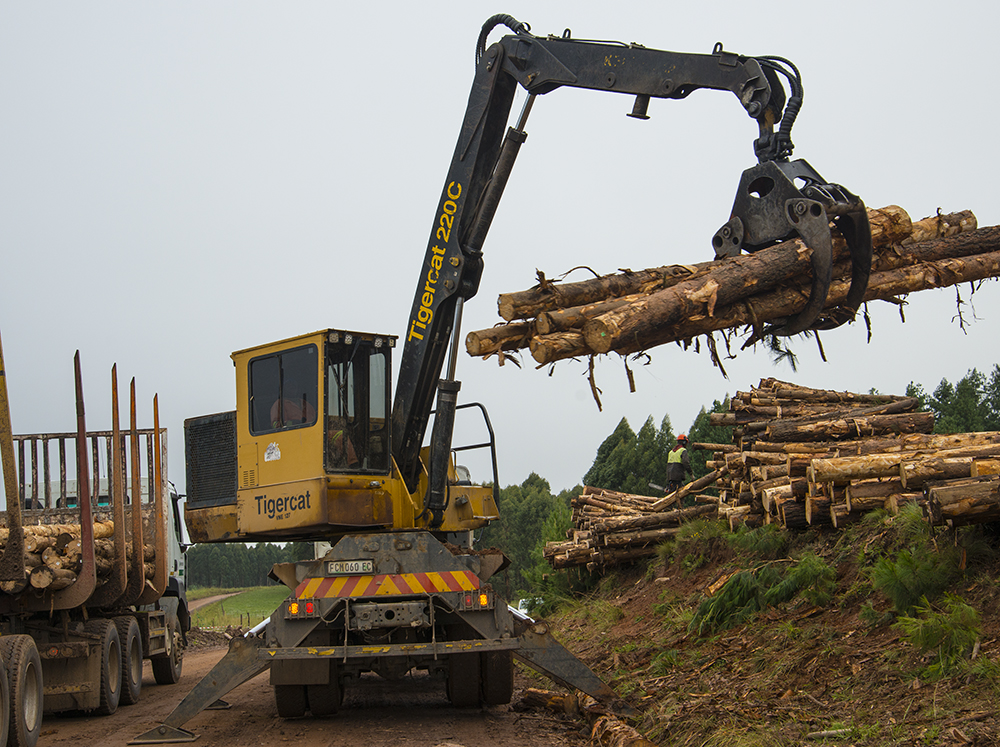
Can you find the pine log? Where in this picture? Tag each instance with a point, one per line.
(843, 470)
(632, 539)
(896, 500)
(792, 514)
(914, 475)
(984, 467)
(556, 702)
(573, 318)
(648, 521)
(785, 390)
(852, 427)
(101, 529)
(501, 337)
(790, 299)
(558, 346)
(41, 577)
(817, 511)
(868, 495)
(971, 503)
(726, 448)
(692, 487)
(731, 279)
(841, 516)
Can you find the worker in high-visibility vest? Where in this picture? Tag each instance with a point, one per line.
(678, 464)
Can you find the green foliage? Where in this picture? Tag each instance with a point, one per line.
(767, 542)
(748, 592)
(702, 431)
(740, 598)
(525, 513)
(971, 405)
(664, 661)
(914, 574)
(811, 577)
(553, 587)
(950, 633)
(237, 565)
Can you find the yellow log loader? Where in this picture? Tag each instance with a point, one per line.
(317, 448)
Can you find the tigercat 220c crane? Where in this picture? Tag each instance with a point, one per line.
(317, 449)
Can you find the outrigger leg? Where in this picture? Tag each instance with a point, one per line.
(241, 664)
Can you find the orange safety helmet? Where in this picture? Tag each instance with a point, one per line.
(682, 437)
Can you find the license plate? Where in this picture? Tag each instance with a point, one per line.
(349, 567)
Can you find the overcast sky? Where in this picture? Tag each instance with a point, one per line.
(181, 180)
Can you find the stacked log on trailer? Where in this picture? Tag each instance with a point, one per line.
(53, 555)
(633, 311)
(822, 458)
(611, 528)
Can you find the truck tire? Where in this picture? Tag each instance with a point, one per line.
(291, 700)
(167, 667)
(325, 700)
(24, 685)
(111, 664)
(498, 677)
(131, 641)
(463, 680)
(5, 707)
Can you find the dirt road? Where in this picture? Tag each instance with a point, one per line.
(375, 714)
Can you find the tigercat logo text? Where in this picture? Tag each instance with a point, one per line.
(283, 507)
(446, 221)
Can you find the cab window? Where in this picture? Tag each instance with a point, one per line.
(283, 390)
(357, 408)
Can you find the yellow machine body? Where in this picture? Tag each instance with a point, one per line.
(311, 450)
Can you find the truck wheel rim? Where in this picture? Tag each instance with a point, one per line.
(31, 711)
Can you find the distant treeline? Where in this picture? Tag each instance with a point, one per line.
(236, 565)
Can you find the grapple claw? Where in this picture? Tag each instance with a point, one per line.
(770, 207)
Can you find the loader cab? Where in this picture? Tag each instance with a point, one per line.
(314, 405)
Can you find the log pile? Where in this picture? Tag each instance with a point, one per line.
(610, 528)
(821, 458)
(802, 458)
(629, 312)
(53, 555)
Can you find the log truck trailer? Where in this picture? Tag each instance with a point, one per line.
(312, 453)
(74, 639)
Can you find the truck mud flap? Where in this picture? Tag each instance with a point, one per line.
(543, 653)
(242, 663)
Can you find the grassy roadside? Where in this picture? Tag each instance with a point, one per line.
(246, 608)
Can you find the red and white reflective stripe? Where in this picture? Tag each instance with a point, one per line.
(386, 584)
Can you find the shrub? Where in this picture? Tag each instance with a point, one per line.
(949, 633)
(913, 575)
(768, 542)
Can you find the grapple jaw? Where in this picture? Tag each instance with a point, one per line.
(770, 207)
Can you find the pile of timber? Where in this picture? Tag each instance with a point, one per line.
(53, 555)
(610, 528)
(821, 458)
(629, 312)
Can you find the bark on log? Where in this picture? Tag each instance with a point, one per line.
(668, 518)
(790, 299)
(559, 346)
(573, 318)
(692, 487)
(852, 427)
(818, 511)
(841, 516)
(914, 475)
(842, 470)
(640, 323)
(501, 337)
(631, 539)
